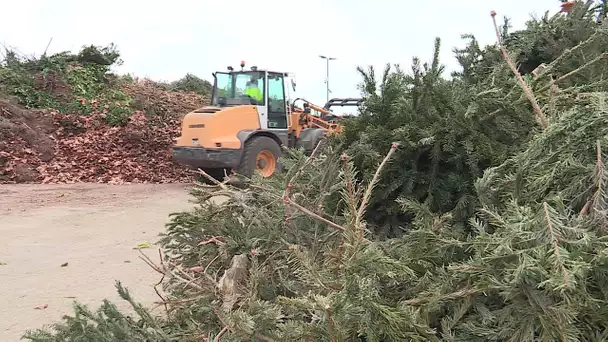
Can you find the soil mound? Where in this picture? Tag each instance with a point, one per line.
(25, 141)
(70, 119)
(51, 147)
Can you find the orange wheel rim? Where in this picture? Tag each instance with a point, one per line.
(266, 164)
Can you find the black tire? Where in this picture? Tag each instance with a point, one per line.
(252, 148)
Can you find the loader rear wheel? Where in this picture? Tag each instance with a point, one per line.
(261, 155)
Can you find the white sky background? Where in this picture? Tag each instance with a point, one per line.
(164, 40)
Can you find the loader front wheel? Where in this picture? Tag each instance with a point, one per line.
(261, 155)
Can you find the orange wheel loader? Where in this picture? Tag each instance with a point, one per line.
(250, 117)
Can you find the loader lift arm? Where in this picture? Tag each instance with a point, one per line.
(345, 102)
(326, 109)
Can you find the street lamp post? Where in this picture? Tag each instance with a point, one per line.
(327, 72)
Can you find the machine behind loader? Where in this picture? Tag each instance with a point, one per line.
(250, 117)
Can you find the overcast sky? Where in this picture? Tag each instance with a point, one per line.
(164, 40)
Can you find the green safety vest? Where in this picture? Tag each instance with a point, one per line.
(256, 93)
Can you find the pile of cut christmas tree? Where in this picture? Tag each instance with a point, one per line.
(468, 209)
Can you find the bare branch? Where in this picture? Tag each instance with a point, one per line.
(313, 215)
(540, 116)
(213, 180)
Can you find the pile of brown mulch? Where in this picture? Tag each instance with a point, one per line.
(137, 153)
(50, 147)
(155, 101)
(26, 141)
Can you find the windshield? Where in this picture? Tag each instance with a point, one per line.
(238, 88)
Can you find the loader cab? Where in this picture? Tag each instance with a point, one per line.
(261, 88)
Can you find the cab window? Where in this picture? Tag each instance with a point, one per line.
(277, 111)
(232, 88)
(276, 93)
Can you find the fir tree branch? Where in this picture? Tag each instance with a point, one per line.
(149, 262)
(600, 170)
(554, 240)
(292, 180)
(214, 239)
(228, 328)
(164, 270)
(164, 300)
(290, 202)
(551, 66)
(540, 116)
(221, 333)
(221, 319)
(305, 263)
(308, 161)
(372, 184)
(331, 324)
(585, 208)
(598, 200)
(350, 187)
(450, 296)
(575, 71)
(210, 263)
(287, 201)
(570, 52)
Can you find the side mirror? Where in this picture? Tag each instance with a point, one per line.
(293, 84)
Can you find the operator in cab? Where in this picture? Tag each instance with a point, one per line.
(254, 92)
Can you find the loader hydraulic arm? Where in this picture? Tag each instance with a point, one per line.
(308, 106)
(308, 120)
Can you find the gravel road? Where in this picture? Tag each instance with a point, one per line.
(91, 228)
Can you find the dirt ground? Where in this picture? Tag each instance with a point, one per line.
(92, 228)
